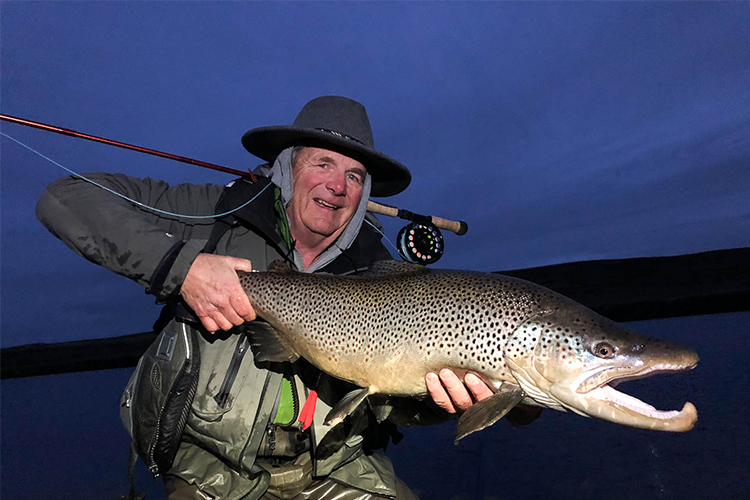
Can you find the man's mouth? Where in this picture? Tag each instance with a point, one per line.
(325, 204)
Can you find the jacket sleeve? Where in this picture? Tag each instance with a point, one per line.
(152, 249)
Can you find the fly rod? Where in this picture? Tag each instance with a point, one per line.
(140, 149)
(458, 227)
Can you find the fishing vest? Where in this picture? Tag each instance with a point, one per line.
(199, 408)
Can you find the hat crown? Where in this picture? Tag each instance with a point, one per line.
(339, 116)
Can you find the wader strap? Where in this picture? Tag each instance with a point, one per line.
(131, 487)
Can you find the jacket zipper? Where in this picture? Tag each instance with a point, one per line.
(295, 396)
(152, 466)
(272, 426)
(234, 366)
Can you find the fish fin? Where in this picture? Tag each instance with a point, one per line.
(268, 344)
(381, 408)
(488, 411)
(523, 414)
(279, 266)
(386, 267)
(346, 406)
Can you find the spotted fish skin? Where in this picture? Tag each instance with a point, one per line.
(386, 331)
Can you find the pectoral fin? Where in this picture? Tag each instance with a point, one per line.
(268, 344)
(488, 411)
(346, 406)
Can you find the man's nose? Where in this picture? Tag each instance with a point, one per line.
(337, 184)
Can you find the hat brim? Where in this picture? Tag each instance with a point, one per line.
(389, 177)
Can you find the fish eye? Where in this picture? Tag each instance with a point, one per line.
(603, 350)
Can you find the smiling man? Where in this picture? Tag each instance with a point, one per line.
(327, 190)
(252, 431)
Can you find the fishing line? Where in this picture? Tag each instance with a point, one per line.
(381, 233)
(135, 202)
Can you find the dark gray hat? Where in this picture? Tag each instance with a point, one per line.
(339, 124)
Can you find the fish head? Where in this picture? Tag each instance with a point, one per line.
(571, 358)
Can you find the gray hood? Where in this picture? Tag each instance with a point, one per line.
(281, 175)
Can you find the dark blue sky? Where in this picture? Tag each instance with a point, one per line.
(558, 131)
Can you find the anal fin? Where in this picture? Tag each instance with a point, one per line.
(268, 344)
(381, 407)
(346, 406)
(488, 411)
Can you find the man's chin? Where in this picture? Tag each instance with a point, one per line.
(324, 230)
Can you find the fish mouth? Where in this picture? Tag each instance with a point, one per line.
(598, 398)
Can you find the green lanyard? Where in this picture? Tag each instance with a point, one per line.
(282, 223)
(287, 411)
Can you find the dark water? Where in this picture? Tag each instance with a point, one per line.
(61, 437)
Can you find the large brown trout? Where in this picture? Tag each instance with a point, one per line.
(385, 330)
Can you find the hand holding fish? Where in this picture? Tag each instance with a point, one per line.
(212, 289)
(450, 393)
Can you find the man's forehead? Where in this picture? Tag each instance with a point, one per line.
(319, 154)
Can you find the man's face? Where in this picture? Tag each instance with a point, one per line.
(326, 193)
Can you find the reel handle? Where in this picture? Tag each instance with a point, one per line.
(459, 227)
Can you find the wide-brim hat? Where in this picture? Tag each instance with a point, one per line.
(339, 124)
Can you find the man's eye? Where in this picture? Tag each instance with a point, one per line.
(355, 178)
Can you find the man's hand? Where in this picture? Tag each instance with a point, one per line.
(450, 394)
(212, 289)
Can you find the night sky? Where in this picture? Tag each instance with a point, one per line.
(558, 131)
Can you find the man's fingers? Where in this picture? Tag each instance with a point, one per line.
(438, 394)
(241, 305)
(209, 324)
(222, 321)
(231, 316)
(478, 388)
(456, 389)
(212, 289)
(241, 264)
(451, 394)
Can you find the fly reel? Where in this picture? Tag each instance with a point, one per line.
(420, 243)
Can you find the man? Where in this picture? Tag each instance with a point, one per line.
(244, 437)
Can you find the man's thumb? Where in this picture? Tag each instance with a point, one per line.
(242, 265)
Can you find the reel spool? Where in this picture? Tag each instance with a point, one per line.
(420, 243)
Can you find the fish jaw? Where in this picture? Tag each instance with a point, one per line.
(614, 406)
(572, 359)
(607, 403)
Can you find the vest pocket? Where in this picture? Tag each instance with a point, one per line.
(234, 366)
(221, 377)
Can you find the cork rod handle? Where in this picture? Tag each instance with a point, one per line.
(458, 227)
